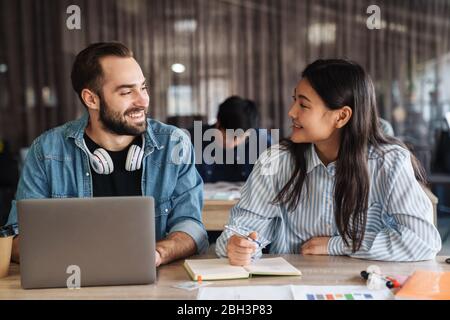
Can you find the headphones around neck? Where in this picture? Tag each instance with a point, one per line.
(102, 163)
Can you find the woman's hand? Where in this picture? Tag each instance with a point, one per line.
(240, 250)
(316, 246)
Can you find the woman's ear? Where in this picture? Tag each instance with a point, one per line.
(90, 99)
(343, 116)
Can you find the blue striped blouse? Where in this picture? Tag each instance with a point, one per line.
(399, 223)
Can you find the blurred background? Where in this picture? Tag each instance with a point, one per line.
(196, 53)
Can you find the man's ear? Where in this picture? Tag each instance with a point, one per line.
(343, 116)
(91, 99)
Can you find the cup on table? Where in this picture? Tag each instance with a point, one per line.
(6, 240)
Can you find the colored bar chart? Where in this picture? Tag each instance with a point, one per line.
(340, 296)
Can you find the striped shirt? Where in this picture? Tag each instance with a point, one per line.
(399, 223)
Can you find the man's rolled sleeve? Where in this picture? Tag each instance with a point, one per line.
(195, 231)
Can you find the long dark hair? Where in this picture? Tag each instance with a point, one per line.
(344, 83)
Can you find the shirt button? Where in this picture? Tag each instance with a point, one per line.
(166, 210)
(87, 174)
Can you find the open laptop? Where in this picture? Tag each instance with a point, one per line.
(103, 241)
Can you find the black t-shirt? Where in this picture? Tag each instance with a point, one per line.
(120, 182)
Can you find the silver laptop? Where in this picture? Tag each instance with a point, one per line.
(86, 241)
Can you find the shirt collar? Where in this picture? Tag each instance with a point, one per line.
(314, 161)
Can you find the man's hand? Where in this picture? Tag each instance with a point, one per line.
(317, 245)
(157, 258)
(175, 246)
(240, 250)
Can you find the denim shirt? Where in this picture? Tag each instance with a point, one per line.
(57, 166)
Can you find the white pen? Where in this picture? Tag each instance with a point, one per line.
(243, 235)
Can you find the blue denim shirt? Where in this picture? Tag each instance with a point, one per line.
(57, 166)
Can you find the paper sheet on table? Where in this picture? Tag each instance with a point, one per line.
(246, 293)
(222, 190)
(293, 292)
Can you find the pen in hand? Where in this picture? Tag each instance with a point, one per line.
(237, 232)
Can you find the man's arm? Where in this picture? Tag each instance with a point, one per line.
(186, 232)
(32, 184)
(177, 245)
(15, 257)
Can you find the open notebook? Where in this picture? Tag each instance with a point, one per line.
(220, 269)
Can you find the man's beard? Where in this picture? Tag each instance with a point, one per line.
(115, 122)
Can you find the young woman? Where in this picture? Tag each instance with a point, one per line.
(339, 186)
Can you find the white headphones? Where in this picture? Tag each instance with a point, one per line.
(102, 163)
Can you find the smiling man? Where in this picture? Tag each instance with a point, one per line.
(115, 150)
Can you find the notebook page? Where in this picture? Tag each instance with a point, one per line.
(272, 266)
(215, 269)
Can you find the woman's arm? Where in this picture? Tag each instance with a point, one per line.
(401, 228)
(254, 211)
